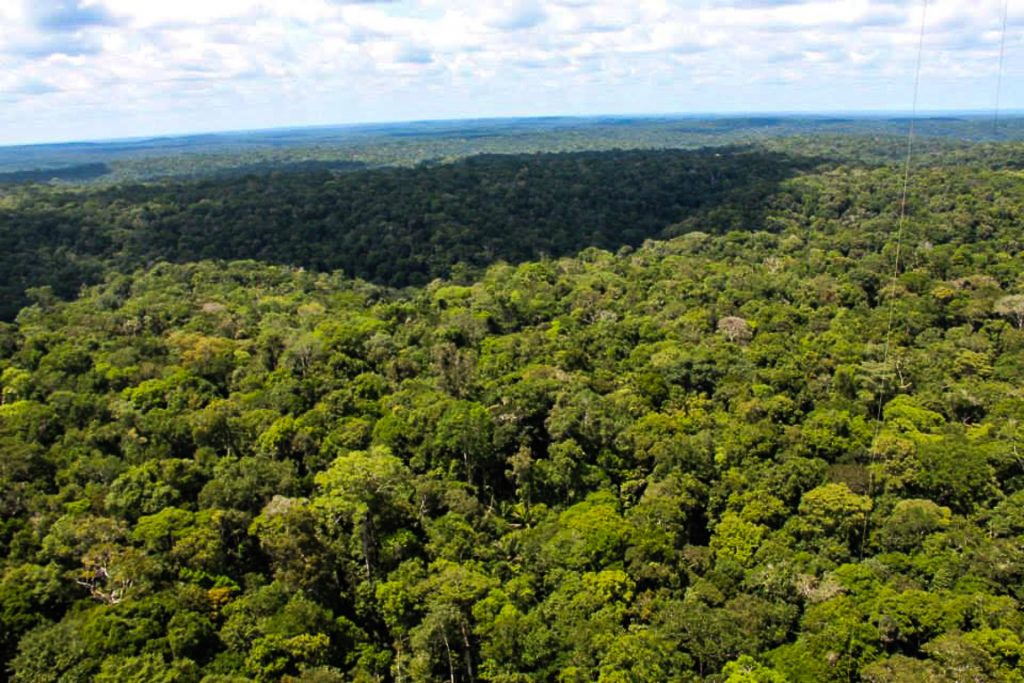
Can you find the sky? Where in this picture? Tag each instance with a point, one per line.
(102, 69)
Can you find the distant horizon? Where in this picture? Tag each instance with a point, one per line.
(698, 115)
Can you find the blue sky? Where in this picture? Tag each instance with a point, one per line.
(87, 69)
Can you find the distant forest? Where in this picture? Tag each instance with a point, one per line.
(405, 226)
(877, 137)
(395, 226)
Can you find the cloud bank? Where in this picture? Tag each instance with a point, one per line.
(75, 69)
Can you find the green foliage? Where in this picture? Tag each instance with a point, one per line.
(394, 226)
(562, 470)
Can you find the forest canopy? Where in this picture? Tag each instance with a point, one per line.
(650, 430)
(393, 226)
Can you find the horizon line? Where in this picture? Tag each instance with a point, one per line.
(710, 114)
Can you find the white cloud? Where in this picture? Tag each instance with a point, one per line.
(516, 15)
(105, 67)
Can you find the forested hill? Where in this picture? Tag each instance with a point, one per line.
(658, 464)
(391, 226)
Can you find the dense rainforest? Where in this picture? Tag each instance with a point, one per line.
(399, 226)
(411, 143)
(652, 428)
(394, 226)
